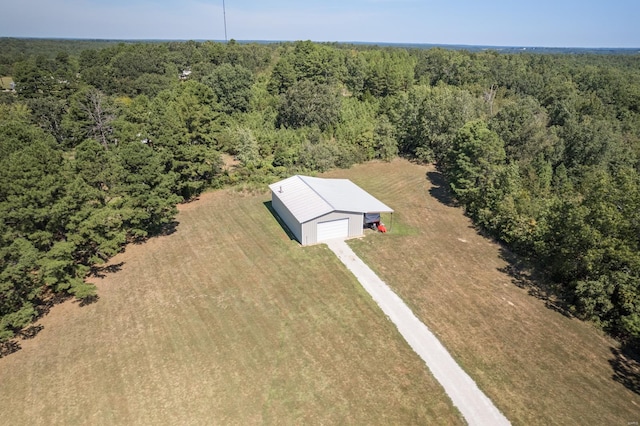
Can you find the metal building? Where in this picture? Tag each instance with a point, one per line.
(316, 209)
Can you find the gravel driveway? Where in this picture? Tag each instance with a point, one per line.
(474, 405)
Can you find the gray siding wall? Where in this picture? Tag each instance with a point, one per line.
(309, 229)
(285, 215)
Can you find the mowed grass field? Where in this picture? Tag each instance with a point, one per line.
(537, 365)
(228, 321)
(225, 321)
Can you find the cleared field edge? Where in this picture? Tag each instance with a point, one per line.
(538, 366)
(218, 321)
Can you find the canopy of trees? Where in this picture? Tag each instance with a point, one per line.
(100, 141)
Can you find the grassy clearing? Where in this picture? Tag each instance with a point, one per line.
(5, 82)
(229, 321)
(538, 366)
(226, 321)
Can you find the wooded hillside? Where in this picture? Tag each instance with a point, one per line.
(100, 143)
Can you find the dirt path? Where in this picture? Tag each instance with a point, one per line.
(474, 405)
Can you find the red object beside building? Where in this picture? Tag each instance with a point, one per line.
(382, 228)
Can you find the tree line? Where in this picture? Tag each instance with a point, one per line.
(100, 142)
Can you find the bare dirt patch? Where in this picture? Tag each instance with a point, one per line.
(229, 162)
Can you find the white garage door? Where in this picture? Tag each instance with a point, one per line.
(333, 229)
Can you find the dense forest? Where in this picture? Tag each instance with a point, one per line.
(100, 141)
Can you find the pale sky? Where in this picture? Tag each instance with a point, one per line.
(544, 23)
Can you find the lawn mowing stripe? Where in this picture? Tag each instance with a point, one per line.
(474, 405)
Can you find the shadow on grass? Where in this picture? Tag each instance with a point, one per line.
(31, 331)
(9, 347)
(159, 231)
(626, 367)
(168, 229)
(89, 300)
(440, 189)
(100, 271)
(13, 345)
(284, 227)
(626, 359)
(46, 301)
(525, 276)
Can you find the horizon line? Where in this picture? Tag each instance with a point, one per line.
(387, 43)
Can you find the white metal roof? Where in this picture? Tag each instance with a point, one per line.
(309, 197)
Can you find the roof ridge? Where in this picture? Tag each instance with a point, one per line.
(314, 190)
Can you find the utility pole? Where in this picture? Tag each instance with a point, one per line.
(224, 15)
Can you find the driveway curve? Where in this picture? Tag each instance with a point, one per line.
(475, 406)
